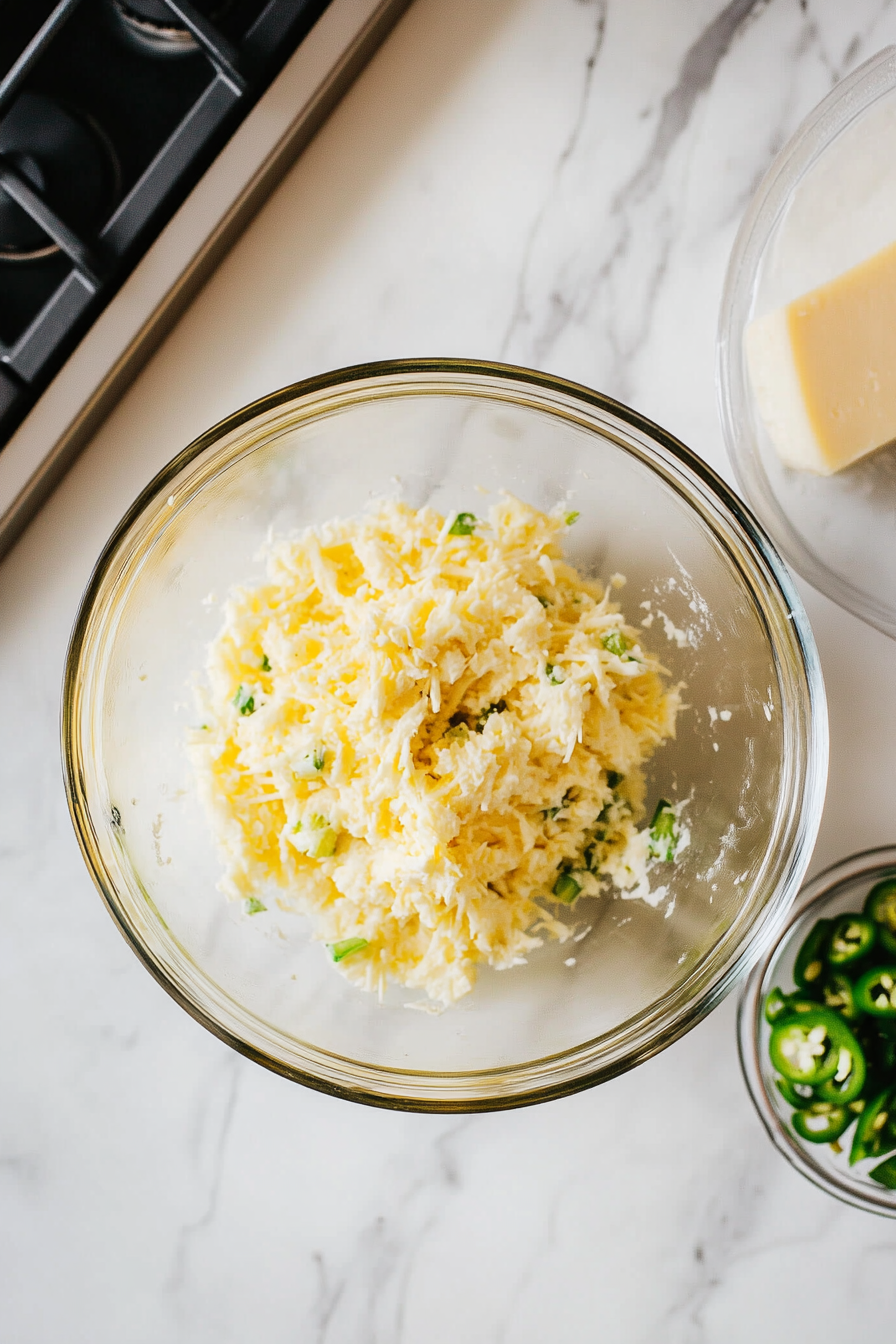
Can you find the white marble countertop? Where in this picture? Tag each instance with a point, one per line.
(558, 183)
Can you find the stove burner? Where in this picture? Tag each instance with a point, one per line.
(155, 27)
(66, 160)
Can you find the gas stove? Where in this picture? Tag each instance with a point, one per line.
(137, 139)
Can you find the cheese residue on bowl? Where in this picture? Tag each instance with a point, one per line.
(427, 735)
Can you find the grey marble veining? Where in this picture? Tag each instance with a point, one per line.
(556, 182)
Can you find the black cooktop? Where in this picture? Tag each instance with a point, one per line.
(110, 112)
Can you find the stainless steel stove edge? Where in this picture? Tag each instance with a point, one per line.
(185, 254)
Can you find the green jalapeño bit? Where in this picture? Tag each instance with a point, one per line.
(616, 642)
(347, 948)
(483, 717)
(571, 517)
(566, 888)
(851, 937)
(244, 700)
(809, 966)
(463, 525)
(265, 663)
(663, 840)
(254, 906)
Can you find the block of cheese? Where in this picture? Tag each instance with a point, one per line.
(823, 368)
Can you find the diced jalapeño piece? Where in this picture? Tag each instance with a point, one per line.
(566, 888)
(663, 832)
(310, 765)
(463, 525)
(615, 642)
(347, 948)
(244, 700)
(484, 715)
(317, 839)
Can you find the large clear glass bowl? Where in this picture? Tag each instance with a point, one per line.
(827, 202)
(839, 890)
(751, 749)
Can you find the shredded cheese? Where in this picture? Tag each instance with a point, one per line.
(427, 734)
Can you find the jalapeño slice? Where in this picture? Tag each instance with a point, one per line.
(851, 938)
(805, 1047)
(822, 1122)
(837, 992)
(849, 1078)
(876, 992)
(880, 903)
(885, 1173)
(776, 1005)
(797, 1095)
(809, 966)
(874, 1134)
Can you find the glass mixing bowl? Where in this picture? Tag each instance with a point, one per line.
(751, 749)
(827, 202)
(839, 890)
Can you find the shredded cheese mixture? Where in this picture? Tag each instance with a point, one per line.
(427, 734)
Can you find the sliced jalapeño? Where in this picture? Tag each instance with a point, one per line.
(874, 1134)
(876, 992)
(810, 960)
(851, 938)
(822, 1122)
(805, 1047)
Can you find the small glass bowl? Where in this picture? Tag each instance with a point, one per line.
(840, 889)
(750, 752)
(827, 202)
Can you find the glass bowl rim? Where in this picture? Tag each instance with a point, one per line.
(867, 863)
(848, 101)
(681, 461)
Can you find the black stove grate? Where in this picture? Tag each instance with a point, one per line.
(110, 112)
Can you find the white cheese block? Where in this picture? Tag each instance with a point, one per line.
(823, 368)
